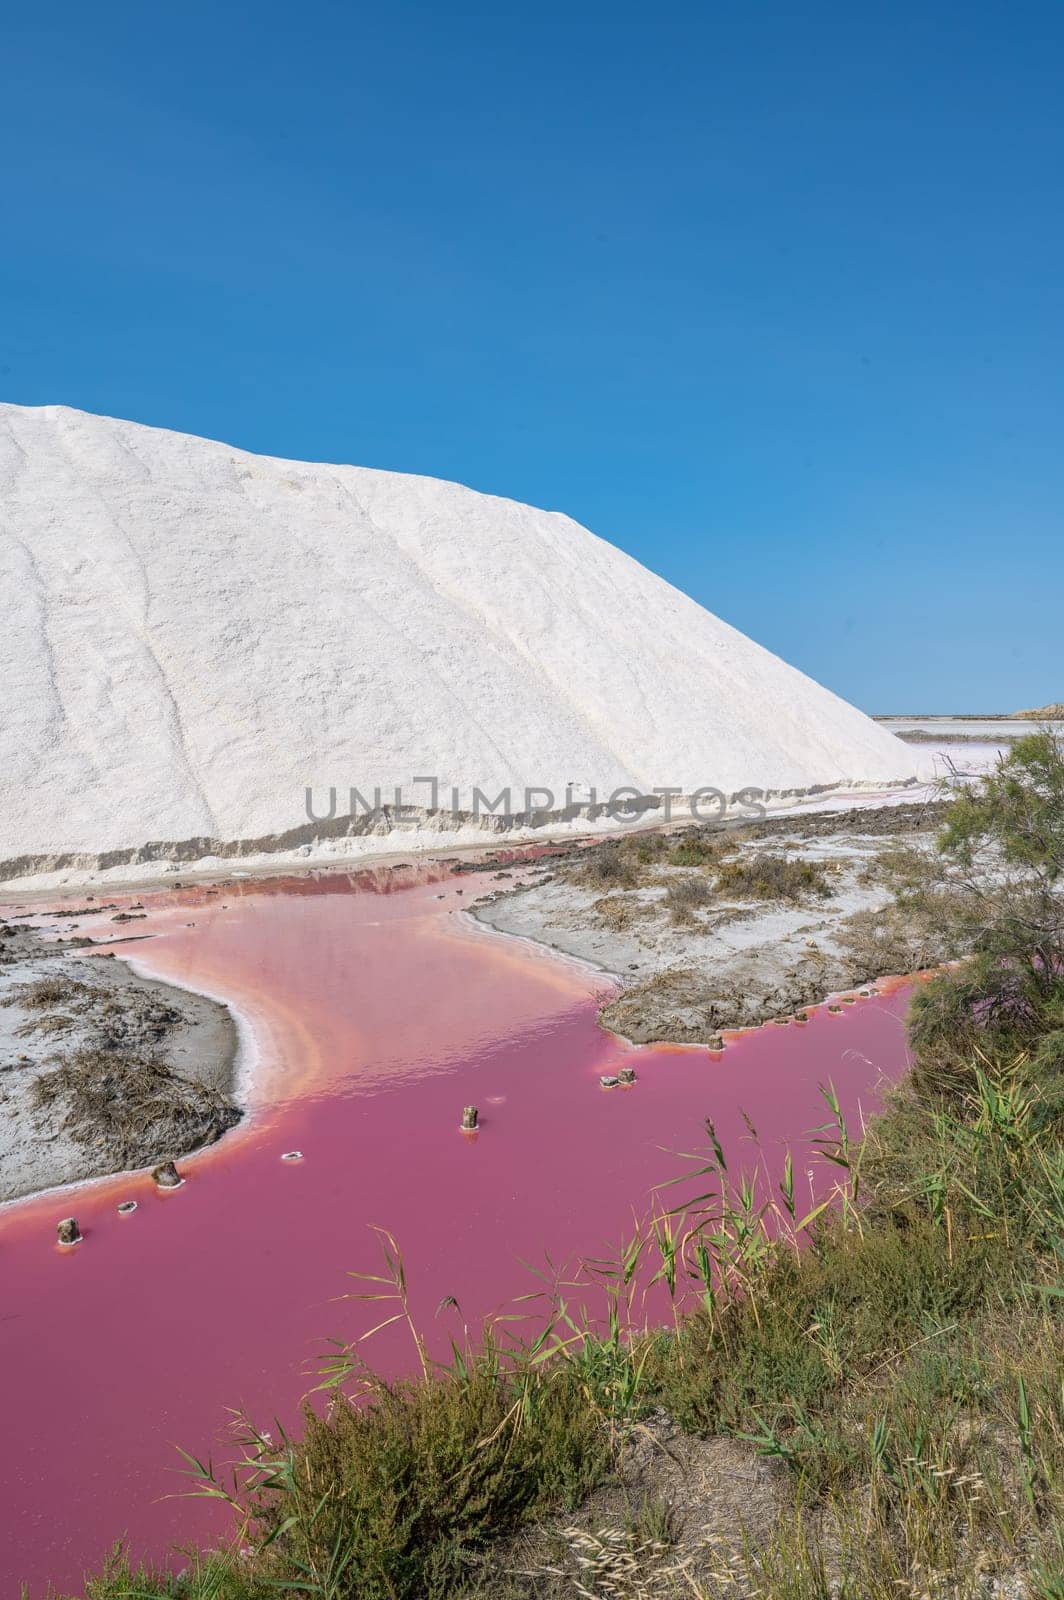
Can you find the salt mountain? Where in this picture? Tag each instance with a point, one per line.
(192, 635)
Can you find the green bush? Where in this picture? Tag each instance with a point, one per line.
(696, 850)
(411, 1486)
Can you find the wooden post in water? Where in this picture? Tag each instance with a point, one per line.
(469, 1119)
(68, 1231)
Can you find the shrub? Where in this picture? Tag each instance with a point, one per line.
(647, 848)
(772, 877)
(994, 888)
(608, 866)
(684, 895)
(696, 850)
(425, 1474)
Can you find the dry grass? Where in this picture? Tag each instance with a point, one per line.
(45, 994)
(608, 866)
(684, 896)
(639, 860)
(892, 940)
(699, 849)
(132, 1107)
(773, 877)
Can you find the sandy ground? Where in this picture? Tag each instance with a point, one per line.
(732, 964)
(102, 1071)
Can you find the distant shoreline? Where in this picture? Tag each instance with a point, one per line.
(963, 716)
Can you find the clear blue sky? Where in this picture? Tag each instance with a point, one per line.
(770, 295)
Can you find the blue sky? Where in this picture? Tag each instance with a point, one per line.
(770, 295)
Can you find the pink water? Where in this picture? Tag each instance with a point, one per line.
(376, 1012)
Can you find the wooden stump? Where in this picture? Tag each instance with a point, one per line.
(469, 1119)
(68, 1231)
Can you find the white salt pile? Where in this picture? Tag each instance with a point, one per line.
(191, 636)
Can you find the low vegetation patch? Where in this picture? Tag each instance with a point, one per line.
(136, 1018)
(637, 860)
(697, 850)
(46, 994)
(684, 896)
(133, 1107)
(895, 940)
(773, 877)
(609, 866)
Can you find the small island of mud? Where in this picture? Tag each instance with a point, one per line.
(101, 1070)
(718, 928)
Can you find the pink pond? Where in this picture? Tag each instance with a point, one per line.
(372, 1011)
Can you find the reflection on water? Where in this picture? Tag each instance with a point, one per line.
(377, 1011)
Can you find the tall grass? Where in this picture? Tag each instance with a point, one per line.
(896, 1347)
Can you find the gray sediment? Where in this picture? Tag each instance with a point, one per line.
(728, 963)
(102, 1070)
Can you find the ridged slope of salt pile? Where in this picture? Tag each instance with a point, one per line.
(192, 635)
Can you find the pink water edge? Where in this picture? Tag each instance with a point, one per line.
(371, 1012)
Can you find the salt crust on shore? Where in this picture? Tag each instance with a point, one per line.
(193, 635)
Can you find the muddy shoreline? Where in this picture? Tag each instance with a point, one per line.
(102, 1070)
(108, 1071)
(691, 972)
